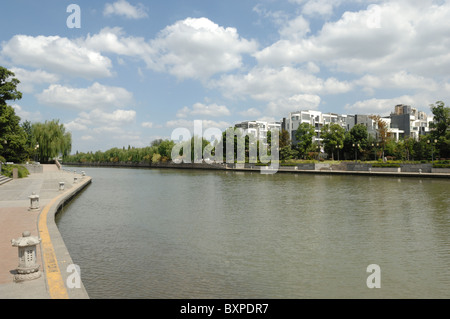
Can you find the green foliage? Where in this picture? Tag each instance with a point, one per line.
(8, 86)
(304, 136)
(333, 136)
(7, 170)
(12, 136)
(52, 140)
(147, 154)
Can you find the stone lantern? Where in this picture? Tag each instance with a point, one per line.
(61, 186)
(28, 269)
(34, 201)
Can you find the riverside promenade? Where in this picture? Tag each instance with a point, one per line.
(52, 255)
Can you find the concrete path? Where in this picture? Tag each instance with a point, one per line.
(16, 217)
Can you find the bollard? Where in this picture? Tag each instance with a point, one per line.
(75, 180)
(61, 186)
(28, 269)
(34, 201)
(420, 171)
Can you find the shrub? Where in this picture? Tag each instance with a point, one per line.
(7, 170)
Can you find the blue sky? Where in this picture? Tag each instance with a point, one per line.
(136, 70)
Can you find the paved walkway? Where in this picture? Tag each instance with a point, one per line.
(16, 217)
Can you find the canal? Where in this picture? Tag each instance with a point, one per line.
(151, 233)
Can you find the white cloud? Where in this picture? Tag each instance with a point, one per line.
(398, 80)
(409, 35)
(199, 48)
(56, 54)
(100, 121)
(87, 138)
(95, 96)
(29, 79)
(26, 115)
(147, 124)
(420, 101)
(251, 113)
(182, 123)
(298, 102)
(75, 125)
(114, 40)
(205, 110)
(124, 8)
(269, 84)
(113, 119)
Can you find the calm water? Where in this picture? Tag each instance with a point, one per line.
(140, 233)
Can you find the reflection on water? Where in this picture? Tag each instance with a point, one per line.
(140, 233)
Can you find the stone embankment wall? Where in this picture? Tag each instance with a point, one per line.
(343, 167)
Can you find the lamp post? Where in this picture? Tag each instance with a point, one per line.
(356, 154)
(36, 154)
(432, 149)
(375, 150)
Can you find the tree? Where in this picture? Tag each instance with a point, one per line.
(440, 128)
(382, 131)
(304, 136)
(333, 137)
(441, 121)
(12, 135)
(286, 151)
(52, 138)
(8, 86)
(165, 149)
(356, 140)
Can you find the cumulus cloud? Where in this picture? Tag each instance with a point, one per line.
(251, 113)
(384, 106)
(183, 123)
(199, 48)
(115, 118)
(147, 124)
(283, 106)
(29, 79)
(269, 84)
(56, 54)
(114, 40)
(213, 110)
(391, 36)
(95, 96)
(26, 115)
(125, 9)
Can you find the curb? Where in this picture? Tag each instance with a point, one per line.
(54, 253)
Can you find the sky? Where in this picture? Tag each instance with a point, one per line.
(124, 72)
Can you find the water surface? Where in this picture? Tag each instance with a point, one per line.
(142, 233)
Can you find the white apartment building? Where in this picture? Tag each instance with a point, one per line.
(318, 120)
(258, 129)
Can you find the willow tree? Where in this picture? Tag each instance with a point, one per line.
(51, 140)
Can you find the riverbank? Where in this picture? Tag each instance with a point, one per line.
(343, 168)
(52, 254)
